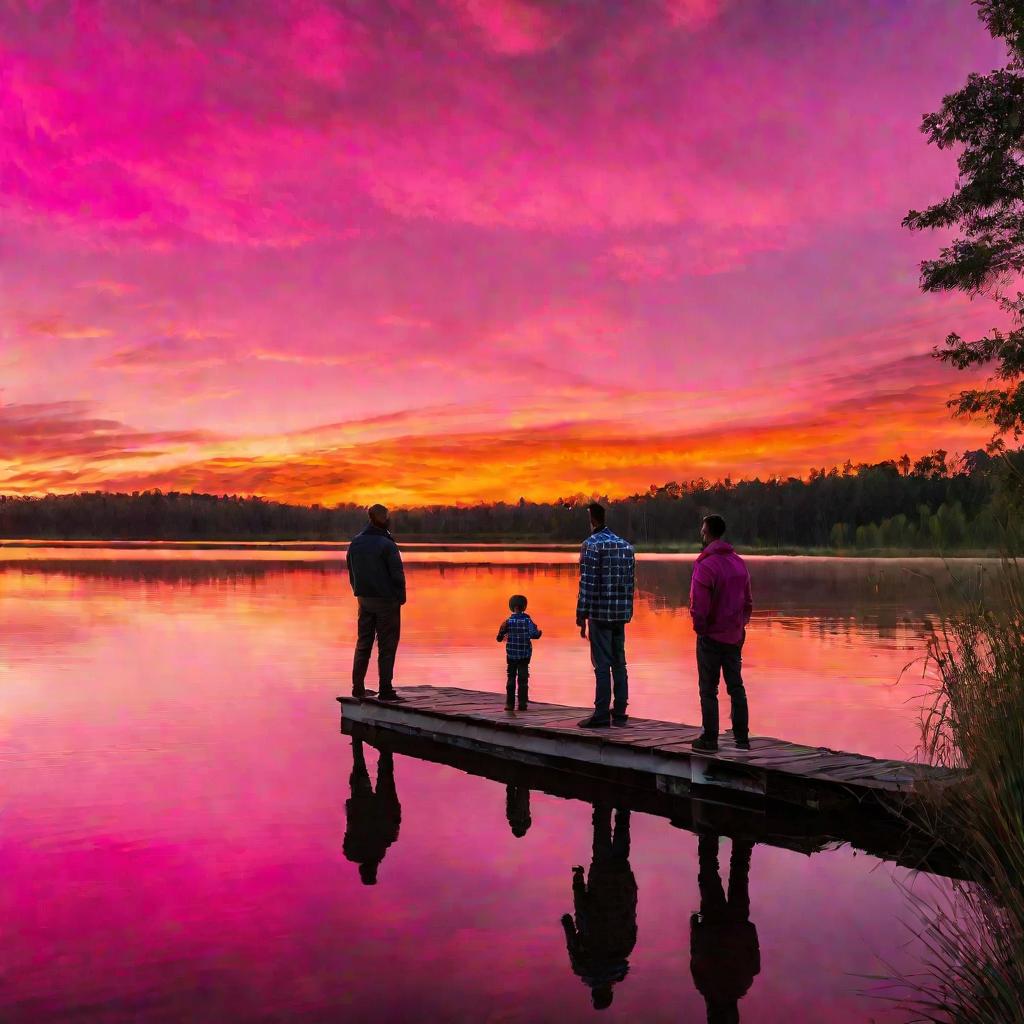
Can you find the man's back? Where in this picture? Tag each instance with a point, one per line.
(720, 598)
(607, 578)
(375, 566)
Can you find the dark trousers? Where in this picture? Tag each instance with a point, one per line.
(380, 620)
(714, 905)
(715, 659)
(518, 668)
(608, 656)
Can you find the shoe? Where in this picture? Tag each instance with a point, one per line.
(705, 743)
(620, 720)
(390, 697)
(592, 723)
(363, 694)
(510, 707)
(523, 707)
(743, 744)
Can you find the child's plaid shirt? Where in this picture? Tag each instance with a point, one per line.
(517, 631)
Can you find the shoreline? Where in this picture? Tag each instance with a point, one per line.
(488, 545)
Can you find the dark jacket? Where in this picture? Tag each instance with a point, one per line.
(375, 566)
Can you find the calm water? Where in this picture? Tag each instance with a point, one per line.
(173, 820)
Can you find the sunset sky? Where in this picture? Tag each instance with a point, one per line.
(451, 250)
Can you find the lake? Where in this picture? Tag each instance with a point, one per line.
(181, 823)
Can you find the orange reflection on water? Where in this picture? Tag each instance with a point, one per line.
(175, 788)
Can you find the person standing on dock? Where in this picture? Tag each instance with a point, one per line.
(605, 605)
(720, 606)
(378, 581)
(724, 953)
(601, 938)
(517, 633)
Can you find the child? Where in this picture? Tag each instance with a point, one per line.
(518, 630)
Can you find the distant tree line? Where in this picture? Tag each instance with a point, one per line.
(931, 504)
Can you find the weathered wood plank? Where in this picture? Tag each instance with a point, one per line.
(645, 746)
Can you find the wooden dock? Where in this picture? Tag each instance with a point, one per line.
(702, 811)
(651, 754)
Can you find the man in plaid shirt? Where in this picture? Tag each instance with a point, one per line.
(605, 603)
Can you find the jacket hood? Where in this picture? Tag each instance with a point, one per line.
(716, 547)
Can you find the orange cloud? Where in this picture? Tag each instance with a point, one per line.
(424, 467)
(57, 326)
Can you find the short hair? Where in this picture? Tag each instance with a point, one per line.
(517, 603)
(376, 510)
(716, 525)
(596, 510)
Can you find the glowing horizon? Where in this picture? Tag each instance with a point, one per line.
(455, 251)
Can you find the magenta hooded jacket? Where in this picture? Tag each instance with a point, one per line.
(720, 601)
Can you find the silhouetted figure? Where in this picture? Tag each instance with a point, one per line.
(603, 935)
(605, 605)
(378, 581)
(372, 818)
(720, 606)
(517, 809)
(518, 632)
(724, 953)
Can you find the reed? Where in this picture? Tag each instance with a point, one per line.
(973, 934)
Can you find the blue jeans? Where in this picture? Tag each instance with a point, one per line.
(608, 655)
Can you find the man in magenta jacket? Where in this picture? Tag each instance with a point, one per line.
(720, 606)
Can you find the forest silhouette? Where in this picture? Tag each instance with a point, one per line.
(933, 504)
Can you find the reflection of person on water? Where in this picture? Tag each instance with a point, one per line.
(372, 819)
(603, 934)
(724, 953)
(517, 809)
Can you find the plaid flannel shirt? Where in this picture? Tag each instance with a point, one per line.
(607, 571)
(517, 631)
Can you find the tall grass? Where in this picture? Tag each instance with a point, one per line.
(974, 936)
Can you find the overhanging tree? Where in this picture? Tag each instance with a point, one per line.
(986, 119)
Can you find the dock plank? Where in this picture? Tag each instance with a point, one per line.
(646, 748)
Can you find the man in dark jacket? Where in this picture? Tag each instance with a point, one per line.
(603, 934)
(372, 818)
(378, 581)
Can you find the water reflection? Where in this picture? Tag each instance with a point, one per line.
(517, 809)
(602, 934)
(724, 953)
(174, 791)
(372, 816)
(825, 652)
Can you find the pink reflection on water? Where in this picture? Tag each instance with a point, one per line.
(175, 788)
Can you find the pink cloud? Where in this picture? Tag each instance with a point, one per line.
(59, 431)
(274, 141)
(456, 220)
(167, 353)
(692, 13)
(517, 27)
